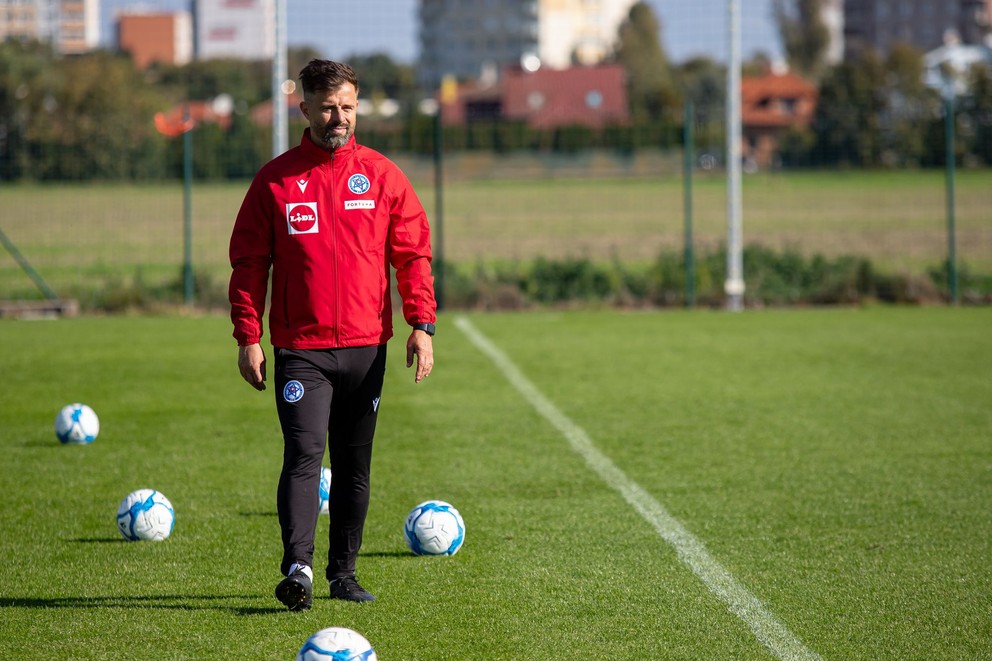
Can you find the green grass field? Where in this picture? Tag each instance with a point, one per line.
(836, 463)
(82, 238)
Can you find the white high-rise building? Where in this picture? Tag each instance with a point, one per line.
(832, 13)
(578, 31)
(73, 26)
(242, 29)
(464, 38)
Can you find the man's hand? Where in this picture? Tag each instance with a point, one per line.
(251, 363)
(420, 345)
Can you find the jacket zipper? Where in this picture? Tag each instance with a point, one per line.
(334, 246)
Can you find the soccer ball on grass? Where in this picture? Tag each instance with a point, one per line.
(77, 424)
(324, 491)
(336, 644)
(145, 514)
(434, 527)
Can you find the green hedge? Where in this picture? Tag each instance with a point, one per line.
(773, 279)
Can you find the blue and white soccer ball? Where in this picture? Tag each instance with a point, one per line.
(145, 514)
(77, 424)
(434, 527)
(336, 644)
(324, 491)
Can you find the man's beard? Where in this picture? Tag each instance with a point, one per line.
(333, 141)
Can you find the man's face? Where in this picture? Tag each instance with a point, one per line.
(332, 115)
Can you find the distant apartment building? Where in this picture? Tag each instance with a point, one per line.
(241, 29)
(73, 26)
(25, 19)
(593, 96)
(77, 26)
(465, 38)
(166, 38)
(924, 24)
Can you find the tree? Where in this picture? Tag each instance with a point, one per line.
(297, 58)
(380, 77)
(380, 74)
(96, 122)
(704, 82)
(27, 79)
(978, 105)
(247, 82)
(909, 105)
(651, 88)
(804, 34)
(848, 112)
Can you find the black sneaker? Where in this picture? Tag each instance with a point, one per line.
(296, 591)
(347, 588)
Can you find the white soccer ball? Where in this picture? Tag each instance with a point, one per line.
(336, 644)
(77, 424)
(324, 491)
(145, 514)
(434, 527)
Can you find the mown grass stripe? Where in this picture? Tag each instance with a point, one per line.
(766, 627)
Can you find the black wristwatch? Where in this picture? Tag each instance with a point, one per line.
(427, 328)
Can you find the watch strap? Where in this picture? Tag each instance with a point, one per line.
(427, 328)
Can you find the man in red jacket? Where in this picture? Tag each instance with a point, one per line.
(328, 218)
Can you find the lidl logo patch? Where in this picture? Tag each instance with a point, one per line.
(301, 217)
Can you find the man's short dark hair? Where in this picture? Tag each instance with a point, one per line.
(326, 75)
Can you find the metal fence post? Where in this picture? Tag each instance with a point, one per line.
(952, 269)
(688, 156)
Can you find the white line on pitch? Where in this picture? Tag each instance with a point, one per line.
(766, 627)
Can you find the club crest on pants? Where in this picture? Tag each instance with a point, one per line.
(292, 391)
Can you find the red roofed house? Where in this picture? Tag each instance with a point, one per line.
(770, 105)
(589, 96)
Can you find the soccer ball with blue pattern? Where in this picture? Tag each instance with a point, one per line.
(77, 424)
(336, 644)
(145, 514)
(434, 527)
(324, 491)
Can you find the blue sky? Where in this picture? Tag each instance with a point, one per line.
(341, 29)
(689, 27)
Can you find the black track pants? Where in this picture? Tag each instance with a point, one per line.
(326, 396)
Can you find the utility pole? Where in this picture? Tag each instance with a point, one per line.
(280, 116)
(734, 284)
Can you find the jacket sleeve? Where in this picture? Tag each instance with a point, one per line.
(410, 252)
(251, 258)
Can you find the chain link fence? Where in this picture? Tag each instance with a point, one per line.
(105, 203)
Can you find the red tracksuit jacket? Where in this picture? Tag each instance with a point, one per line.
(329, 226)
